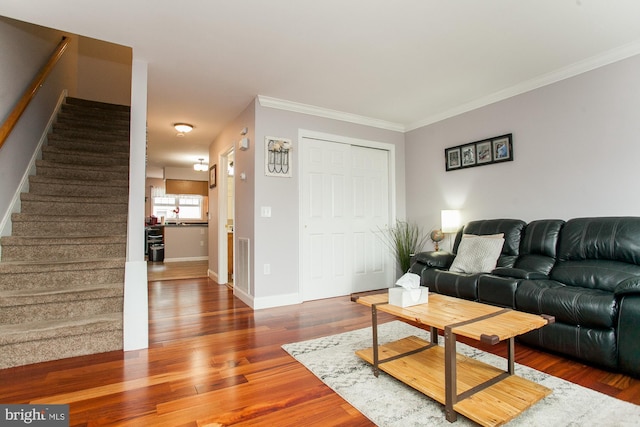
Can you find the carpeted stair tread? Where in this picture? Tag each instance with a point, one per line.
(117, 158)
(95, 135)
(89, 144)
(68, 228)
(105, 117)
(98, 220)
(42, 274)
(119, 169)
(98, 118)
(53, 304)
(39, 296)
(26, 197)
(34, 331)
(59, 241)
(68, 157)
(48, 205)
(97, 105)
(76, 187)
(36, 179)
(7, 267)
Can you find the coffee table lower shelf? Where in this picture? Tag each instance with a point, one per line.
(424, 371)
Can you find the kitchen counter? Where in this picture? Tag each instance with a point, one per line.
(189, 242)
(186, 224)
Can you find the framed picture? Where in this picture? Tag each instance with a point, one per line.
(452, 157)
(468, 155)
(483, 152)
(502, 149)
(212, 176)
(480, 153)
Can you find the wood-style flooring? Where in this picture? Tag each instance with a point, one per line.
(213, 361)
(176, 270)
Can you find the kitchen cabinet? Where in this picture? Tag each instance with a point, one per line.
(178, 186)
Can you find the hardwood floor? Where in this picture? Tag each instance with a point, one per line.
(176, 270)
(213, 361)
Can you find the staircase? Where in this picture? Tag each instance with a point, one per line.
(62, 269)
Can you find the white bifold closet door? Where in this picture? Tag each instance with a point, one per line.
(345, 197)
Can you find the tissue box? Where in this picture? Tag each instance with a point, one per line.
(407, 297)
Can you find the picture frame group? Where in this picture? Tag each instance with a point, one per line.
(484, 152)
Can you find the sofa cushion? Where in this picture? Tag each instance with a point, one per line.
(459, 285)
(512, 230)
(569, 304)
(538, 245)
(477, 254)
(604, 238)
(595, 274)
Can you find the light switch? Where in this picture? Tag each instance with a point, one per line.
(265, 211)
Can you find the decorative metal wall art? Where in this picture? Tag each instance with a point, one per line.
(487, 151)
(277, 156)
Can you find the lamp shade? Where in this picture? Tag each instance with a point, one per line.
(183, 127)
(450, 220)
(200, 167)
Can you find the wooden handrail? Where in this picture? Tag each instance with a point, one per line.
(31, 91)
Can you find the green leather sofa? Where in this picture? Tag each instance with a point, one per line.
(585, 272)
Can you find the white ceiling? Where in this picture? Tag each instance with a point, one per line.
(405, 63)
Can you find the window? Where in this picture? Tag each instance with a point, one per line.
(190, 207)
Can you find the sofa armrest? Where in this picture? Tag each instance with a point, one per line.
(439, 259)
(518, 273)
(628, 335)
(630, 286)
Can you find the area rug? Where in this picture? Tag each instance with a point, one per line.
(389, 403)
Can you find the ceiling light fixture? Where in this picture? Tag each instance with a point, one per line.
(183, 128)
(200, 167)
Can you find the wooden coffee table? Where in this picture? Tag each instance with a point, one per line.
(483, 393)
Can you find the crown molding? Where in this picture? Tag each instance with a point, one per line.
(589, 64)
(296, 107)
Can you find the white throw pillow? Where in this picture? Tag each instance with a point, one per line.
(477, 254)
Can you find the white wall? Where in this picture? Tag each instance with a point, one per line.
(244, 189)
(24, 49)
(276, 238)
(575, 146)
(104, 71)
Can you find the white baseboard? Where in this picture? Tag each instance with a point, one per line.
(136, 306)
(276, 301)
(195, 258)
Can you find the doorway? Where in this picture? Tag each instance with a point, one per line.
(226, 215)
(346, 194)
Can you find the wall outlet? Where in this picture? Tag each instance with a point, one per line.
(267, 269)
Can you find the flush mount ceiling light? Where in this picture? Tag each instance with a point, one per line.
(200, 167)
(183, 128)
